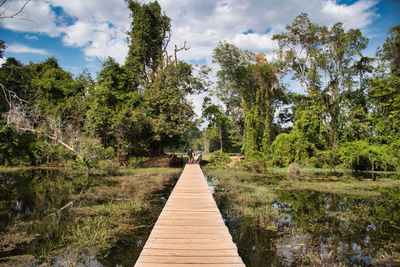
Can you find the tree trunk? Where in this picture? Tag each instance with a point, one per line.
(55, 139)
(220, 139)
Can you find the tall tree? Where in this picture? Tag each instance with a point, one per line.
(248, 82)
(385, 89)
(148, 38)
(320, 59)
(164, 81)
(218, 122)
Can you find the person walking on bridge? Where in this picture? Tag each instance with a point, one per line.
(190, 155)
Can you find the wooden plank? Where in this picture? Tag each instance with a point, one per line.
(202, 231)
(190, 260)
(211, 245)
(189, 236)
(190, 222)
(150, 264)
(189, 253)
(190, 240)
(190, 230)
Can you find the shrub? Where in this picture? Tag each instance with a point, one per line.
(136, 161)
(291, 148)
(218, 159)
(360, 155)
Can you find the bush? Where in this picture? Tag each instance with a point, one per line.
(218, 159)
(326, 158)
(291, 148)
(106, 167)
(136, 161)
(360, 155)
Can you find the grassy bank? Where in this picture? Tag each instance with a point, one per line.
(111, 210)
(310, 220)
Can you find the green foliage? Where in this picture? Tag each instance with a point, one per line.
(170, 113)
(136, 161)
(2, 48)
(218, 122)
(360, 155)
(291, 148)
(17, 149)
(248, 83)
(219, 159)
(385, 89)
(321, 60)
(147, 37)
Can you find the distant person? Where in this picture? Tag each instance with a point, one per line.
(190, 155)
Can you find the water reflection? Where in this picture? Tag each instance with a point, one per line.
(317, 228)
(31, 227)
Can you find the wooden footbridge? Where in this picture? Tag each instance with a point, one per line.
(190, 230)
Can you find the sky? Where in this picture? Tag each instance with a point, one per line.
(82, 33)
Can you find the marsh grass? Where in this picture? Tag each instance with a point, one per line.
(255, 196)
(114, 208)
(327, 182)
(111, 209)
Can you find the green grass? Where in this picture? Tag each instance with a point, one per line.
(252, 194)
(25, 168)
(108, 211)
(364, 188)
(113, 208)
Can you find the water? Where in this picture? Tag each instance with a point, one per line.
(32, 227)
(128, 248)
(314, 228)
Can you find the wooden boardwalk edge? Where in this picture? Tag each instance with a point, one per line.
(190, 230)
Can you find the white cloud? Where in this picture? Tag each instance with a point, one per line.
(99, 27)
(31, 37)
(358, 15)
(255, 42)
(20, 48)
(37, 17)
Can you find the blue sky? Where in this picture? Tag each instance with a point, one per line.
(80, 34)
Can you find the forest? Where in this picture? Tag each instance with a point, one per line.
(348, 115)
(314, 129)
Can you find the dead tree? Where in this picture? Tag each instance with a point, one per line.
(5, 7)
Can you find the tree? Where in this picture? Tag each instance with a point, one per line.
(218, 122)
(248, 82)
(320, 59)
(116, 114)
(166, 104)
(2, 48)
(148, 38)
(164, 81)
(385, 89)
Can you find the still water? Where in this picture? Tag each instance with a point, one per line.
(32, 227)
(314, 228)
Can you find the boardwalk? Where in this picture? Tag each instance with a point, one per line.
(190, 230)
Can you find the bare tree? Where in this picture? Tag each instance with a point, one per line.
(26, 120)
(5, 8)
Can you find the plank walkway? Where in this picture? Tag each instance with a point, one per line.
(190, 230)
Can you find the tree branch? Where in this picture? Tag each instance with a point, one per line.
(180, 49)
(13, 15)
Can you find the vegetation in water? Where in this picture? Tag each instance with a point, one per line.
(316, 219)
(50, 217)
(103, 128)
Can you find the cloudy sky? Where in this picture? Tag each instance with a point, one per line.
(81, 33)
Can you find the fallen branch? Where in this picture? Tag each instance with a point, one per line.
(62, 208)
